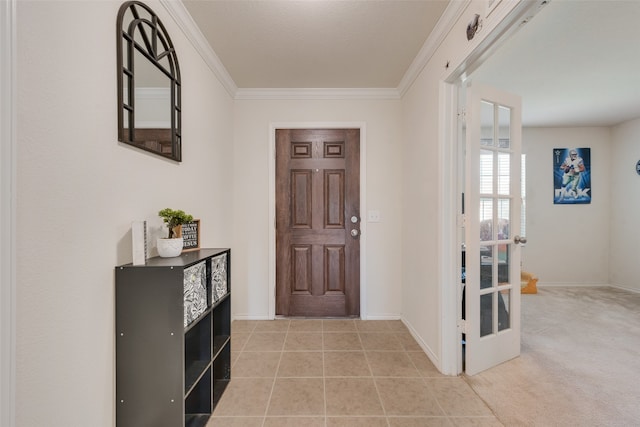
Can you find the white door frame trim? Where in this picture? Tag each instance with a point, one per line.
(8, 161)
(448, 239)
(272, 203)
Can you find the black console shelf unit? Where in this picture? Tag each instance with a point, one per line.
(173, 339)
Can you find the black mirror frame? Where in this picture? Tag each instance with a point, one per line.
(157, 46)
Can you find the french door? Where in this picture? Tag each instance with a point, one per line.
(492, 227)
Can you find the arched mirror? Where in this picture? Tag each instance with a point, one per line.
(149, 103)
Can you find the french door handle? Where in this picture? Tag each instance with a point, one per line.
(518, 239)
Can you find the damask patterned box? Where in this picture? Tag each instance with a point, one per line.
(195, 292)
(219, 276)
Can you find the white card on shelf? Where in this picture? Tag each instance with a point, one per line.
(139, 241)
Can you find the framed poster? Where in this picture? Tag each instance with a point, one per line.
(571, 176)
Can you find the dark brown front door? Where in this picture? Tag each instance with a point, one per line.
(317, 209)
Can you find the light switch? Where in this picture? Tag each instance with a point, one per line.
(373, 216)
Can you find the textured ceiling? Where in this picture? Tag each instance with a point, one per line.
(575, 64)
(316, 44)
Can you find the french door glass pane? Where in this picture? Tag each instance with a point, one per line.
(486, 267)
(504, 129)
(486, 123)
(486, 172)
(503, 219)
(503, 264)
(486, 314)
(504, 173)
(504, 309)
(486, 219)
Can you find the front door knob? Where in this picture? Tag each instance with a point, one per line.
(354, 233)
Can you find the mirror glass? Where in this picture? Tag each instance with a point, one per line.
(148, 83)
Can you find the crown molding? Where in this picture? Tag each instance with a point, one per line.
(452, 13)
(188, 26)
(316, 93)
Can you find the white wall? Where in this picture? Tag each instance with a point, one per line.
(604, 233)
(421, 168)
(625, 206)
(382, 142)
(567, 244)
(78, 191)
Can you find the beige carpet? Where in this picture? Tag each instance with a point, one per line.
(580, 361)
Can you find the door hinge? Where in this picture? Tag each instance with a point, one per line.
(462, 115)
(462, 220)
(462, 326)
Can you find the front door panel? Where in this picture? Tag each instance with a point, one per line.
(317, 194)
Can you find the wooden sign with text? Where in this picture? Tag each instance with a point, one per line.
(190, 233)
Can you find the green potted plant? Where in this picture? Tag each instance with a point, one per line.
(171, 246)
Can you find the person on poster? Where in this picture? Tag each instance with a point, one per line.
(572, 169)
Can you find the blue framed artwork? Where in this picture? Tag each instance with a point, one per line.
(571, 176)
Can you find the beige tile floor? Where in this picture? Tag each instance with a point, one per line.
(339, 373)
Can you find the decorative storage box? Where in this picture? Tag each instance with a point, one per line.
(195, 292)
(219, 276)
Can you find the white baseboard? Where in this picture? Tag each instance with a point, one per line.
(587, 285)
(383, 317)
(249, 317)
(626, 288)
(430, 354)
(571, 285)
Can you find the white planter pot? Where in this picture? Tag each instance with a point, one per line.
(168, 248)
